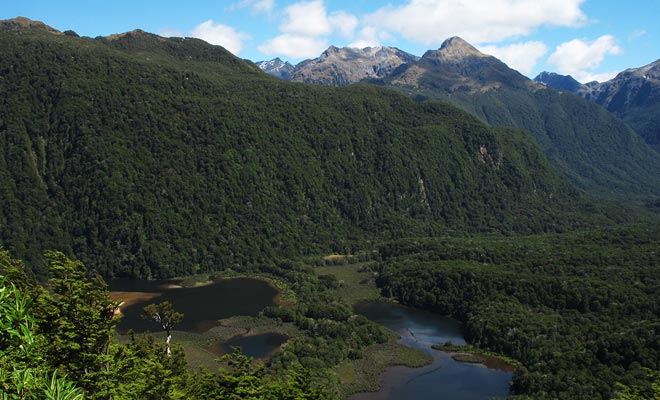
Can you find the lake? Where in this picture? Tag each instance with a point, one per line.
(202, 306)
(444, 377)
(256, 346)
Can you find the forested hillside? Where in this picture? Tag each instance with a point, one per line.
(633, 95)
(146, 157)
(594, 149)
(580, 311)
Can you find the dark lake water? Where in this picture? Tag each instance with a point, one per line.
(256, 346)
(444, 378)
(202, 306)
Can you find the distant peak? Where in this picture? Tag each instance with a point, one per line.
(134, 32)
(26, 23)
(332, 49)
(455, 41)
(456, 48)
(558, 81)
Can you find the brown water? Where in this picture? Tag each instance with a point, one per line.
(202, 306)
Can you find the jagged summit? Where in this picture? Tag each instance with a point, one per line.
(25, 23)
(457, 52)
(342, 66)
(276, 67)
(456, 49)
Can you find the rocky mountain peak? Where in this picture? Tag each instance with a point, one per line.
(276, 67)
(649, 71)
(346, 65)
(456, 49)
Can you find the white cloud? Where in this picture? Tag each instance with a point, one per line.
(370, 36)
(294, 46)
(479, 21)
(221, 35)
(636, 34)
(264, 6)
(306, 19)
(367, 37)
(522, 57)
(586, 77)
(257, 6)
(579, 58)
(343, 23)
(305, 28)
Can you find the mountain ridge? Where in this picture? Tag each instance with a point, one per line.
(597, 152)
(345, 66)
(632, 95)
(152, 158)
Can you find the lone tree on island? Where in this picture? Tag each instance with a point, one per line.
(164, 314)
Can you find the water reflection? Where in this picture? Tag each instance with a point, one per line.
(256, 346)
(202, 306)
(445, 377)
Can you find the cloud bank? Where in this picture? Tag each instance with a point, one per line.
(305, 29)
(522, 57)
(477, 21)
(221, 35)
(580, 59)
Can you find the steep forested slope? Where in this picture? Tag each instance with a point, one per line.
(594, 149)
(147, 156)
(633, 95)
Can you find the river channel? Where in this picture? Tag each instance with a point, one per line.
(444, 378)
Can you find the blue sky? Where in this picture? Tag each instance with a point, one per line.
(589, 39)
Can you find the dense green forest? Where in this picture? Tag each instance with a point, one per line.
(580, 311)
(148, 157)
(152, 157)
(58, 342)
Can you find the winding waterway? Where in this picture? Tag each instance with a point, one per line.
(444, 377)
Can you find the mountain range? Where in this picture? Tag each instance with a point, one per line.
(151, 157)
(590, 146)
(633, 95)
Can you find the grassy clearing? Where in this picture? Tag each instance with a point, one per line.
(356, 282)
(363, 375)
(356, 285)
(468, 353)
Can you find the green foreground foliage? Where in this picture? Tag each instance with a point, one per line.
(57, 342)
(22, 373)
